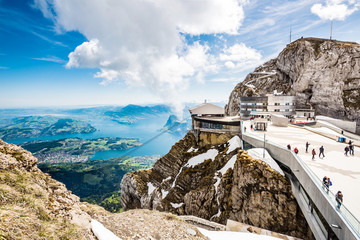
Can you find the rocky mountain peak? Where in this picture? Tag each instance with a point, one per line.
(323, 74)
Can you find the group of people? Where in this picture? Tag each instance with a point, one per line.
(338, 197)
(313, 152)
(349, 149)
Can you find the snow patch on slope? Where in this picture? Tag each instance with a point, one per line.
(257, 153)
(192, 149)
(210, 154)
(234, 143)
(176, 205)
(101, 232)
(151, 188)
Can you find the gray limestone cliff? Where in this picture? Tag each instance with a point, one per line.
(213, 178)
(323, 74)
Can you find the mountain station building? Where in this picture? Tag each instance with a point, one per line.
(208, 117)
(272, 104)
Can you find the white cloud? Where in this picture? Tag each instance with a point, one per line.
(229, 64)
(50, 59)
(1, 67)
(88, 55)
(239, 57)
(336, 9)
(141, 41)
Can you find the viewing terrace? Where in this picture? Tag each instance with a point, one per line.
(344, 172)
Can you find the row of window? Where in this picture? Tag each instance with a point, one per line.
(264, 110)
(265, 104)
(211, 125)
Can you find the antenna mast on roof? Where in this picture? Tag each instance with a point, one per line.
(290, 34)
(331, 30)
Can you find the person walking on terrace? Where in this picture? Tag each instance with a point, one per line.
(346, 150)
(328, 183)
(307, 146)
(321, 149)
(339, 199)
(351, 148)
(288, 147)
(313, 154)
(324, 181)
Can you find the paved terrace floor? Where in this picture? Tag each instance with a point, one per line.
(343, 171)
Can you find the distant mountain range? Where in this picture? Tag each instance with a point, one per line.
(132, 113)
(174, 125)
(35, 126)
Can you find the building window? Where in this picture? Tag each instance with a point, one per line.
(277, 104)
(286, 110)
(287, 104)
(253, 110)
(277, 110)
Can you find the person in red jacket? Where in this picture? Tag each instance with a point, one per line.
(296, 150)
(313, 154)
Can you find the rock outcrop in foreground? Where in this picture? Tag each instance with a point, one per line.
(323, 74)
(214, 179)
(35, 206)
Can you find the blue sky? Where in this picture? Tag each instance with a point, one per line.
(76, 52)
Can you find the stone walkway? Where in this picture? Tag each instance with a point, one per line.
(343, 171)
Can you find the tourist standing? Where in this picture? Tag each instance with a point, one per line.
(321, 149)
(324, 180)
(288, 147)
(307, 146)
(244, 129)
(328, 183)
(346, 150)
(339, 198)
(313, 154)
(351, 148)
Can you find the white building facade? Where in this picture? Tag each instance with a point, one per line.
(267, 105)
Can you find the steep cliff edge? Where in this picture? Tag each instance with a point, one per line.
(35, 206)
(323, 74)
(214, 179)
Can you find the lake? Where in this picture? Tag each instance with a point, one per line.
(146, 130)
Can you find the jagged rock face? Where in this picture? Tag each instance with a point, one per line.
(14, 157)
(35, 206)
(322, 74)
(216, 182)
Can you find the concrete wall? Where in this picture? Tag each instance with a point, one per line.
(279, 120)
(309, 182)
(346, 125)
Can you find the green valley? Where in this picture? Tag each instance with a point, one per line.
(98, 181)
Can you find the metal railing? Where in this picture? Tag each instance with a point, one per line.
(343, 211)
